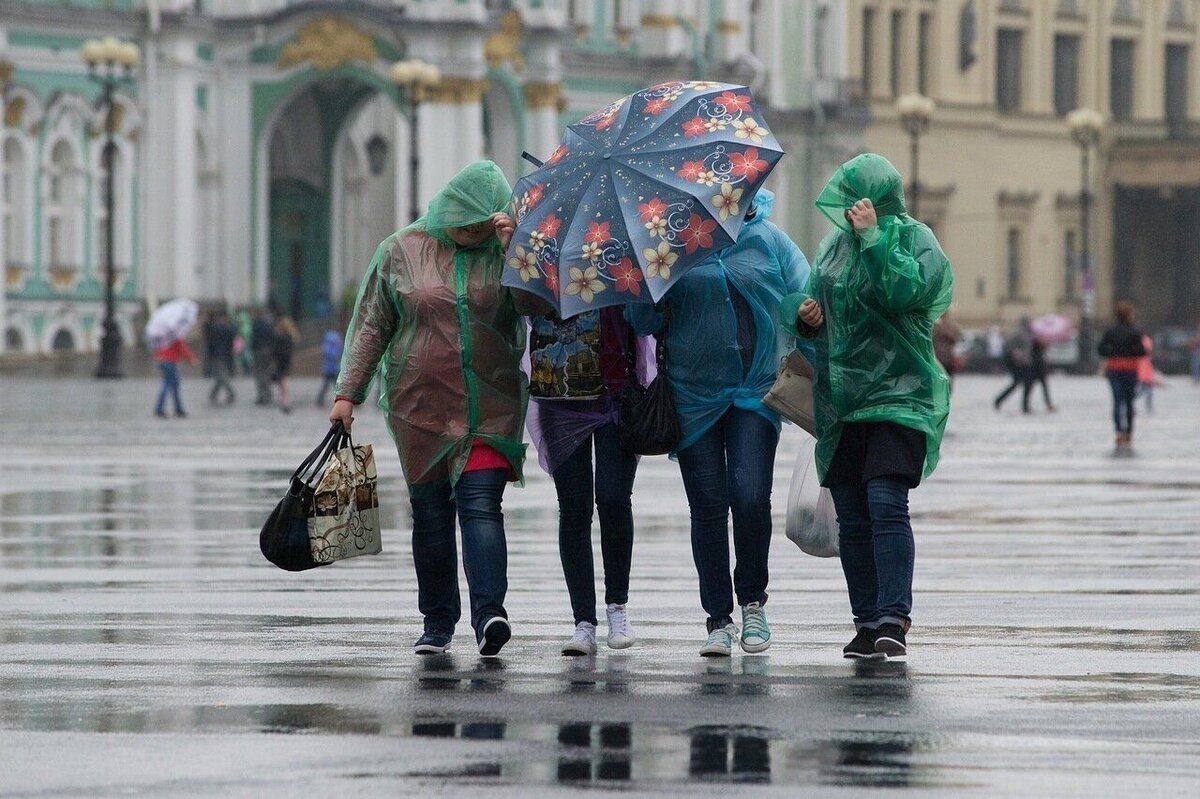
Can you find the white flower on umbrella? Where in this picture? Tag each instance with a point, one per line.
(525, 262)
(537, 239)
(591, 250)
(659, 260)
(657, 226)
(585, 282)
(715, 123)
(749, 129)
(726, 202)
(707, 177)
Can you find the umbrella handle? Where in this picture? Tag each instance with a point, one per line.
(531, 159)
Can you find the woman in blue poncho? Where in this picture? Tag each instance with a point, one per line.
(723, 349)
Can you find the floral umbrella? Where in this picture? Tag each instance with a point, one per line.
(637, 193)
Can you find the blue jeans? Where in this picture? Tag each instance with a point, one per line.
(877, 550)
(1124, 389)
(170, 385)
(609, 489)
(730, 467)
(476, 498)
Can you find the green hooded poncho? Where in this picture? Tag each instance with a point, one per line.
(881, 293)
(445, 335)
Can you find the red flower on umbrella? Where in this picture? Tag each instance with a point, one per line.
(559, 154)
(651, 209)
(548, 227)
(657, 106)
(694, 127)
(552, 278)
(606, 122)
(628, 277)
(697, 234)
(691, 170)
(535, 193)
(747, 165)
(734, 102)
(597, 232)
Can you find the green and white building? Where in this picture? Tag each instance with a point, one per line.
(263, 151)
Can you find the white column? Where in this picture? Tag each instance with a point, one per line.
(733, 34)
(451, 132)
(229, 100)
(542, 93)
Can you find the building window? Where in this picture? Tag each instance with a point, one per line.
(63, 205)
(1120, 79)
(1013, 263)
(822, 31)
(897, 51)
(1070, 259)
(924, 36)
(868, 49)
(1066, 74)
(1176, 89)
(14, 206)
(1008, 69)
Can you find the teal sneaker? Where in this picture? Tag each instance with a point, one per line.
(756, 633)
(720, 641)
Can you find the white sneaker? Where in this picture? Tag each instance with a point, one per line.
(620, 633)
(583, 642)
(720, 641)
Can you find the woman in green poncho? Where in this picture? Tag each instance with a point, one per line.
(447, 340)
(880, 282)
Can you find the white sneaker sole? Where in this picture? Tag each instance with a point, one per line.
(716, 651)
(620, 642)
(754, 649)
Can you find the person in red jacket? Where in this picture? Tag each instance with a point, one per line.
(168, 359)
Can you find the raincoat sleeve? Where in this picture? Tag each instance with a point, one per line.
(907, 269)
(376, 319)
(645, 319)
(795, 272)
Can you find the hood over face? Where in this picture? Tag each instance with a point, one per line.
(471, 196)
(869, 176)
(763, 203)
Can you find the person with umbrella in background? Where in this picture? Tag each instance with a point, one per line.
(656, 198)
(881, 399)
(165, 332)
(447, 340)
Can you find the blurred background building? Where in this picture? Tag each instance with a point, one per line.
(263, 147)
(1000, 162)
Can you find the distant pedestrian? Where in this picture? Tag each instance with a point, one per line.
(995, 348)
(1122, 347)
(242, 347)
(262, 345)
(168, 358)
(286, 339)
(946, 336)
(1018, 357)
(1040, 372)
(331, 363)
(1147, 377)
(219, 336)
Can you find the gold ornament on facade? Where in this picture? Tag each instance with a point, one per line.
(456, 91)
(503, 46)
(328, 42)
(541, 94)
(659, 21)
(729, 26)
(13, 112)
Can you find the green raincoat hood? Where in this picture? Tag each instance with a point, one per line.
(471, 196)
(868, 176)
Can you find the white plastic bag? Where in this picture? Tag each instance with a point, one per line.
(811, 519)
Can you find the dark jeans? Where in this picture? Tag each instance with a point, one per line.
(221, 371)
(1021, 376)
(877, 550)
(264, 365)
(1124, 389)
(170, 385)
(608, 489)
(476, 499)
(730, 468)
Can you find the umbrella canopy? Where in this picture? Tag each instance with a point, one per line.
(1052, 328)
(171, 321)
(637, 193)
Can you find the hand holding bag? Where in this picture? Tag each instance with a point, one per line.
(284, 537)
(647, 423)
(792, 395)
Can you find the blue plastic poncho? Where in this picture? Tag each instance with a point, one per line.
(704, 359)
(880, 292)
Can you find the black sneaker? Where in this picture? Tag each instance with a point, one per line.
(494, 636)
(863, 645)
(432, 643)
(889, 641)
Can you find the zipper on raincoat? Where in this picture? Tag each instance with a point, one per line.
(464, 336)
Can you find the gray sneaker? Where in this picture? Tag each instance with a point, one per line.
(720, 641)
(583, 641)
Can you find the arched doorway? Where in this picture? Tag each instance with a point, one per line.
(318, 142)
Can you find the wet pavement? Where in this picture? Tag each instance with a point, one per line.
(146, 649)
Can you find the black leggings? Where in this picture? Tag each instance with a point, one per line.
(1124, 389)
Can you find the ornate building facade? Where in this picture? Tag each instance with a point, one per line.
(263, 151)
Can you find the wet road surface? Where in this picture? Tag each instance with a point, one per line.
(146, 649)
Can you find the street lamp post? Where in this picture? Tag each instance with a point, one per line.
(1086, 128)
(415, 77)
(915, 110)
(110, 63)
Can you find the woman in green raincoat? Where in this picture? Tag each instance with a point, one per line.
(447, 340)
(880, 282)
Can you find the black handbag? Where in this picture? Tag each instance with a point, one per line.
(647, 423)
(284, 538)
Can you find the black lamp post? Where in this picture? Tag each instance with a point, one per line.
(915, 110)
(110, 63)
(415, 77)
(1086, 127)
